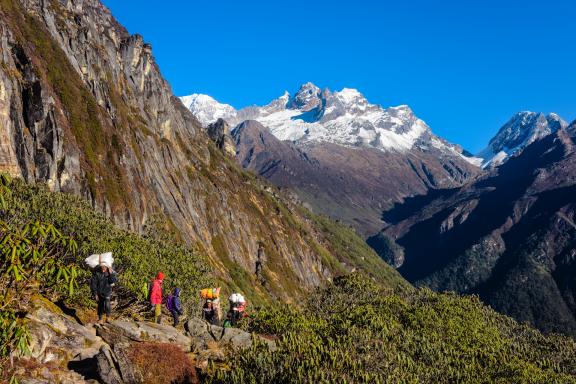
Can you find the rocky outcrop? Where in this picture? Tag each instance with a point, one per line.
(219, 132)
(204, 334)
(57, 342)
(62, 350)
(119, 364)
(57, 337)
(109, 367)
(121, 331)
(206, 343)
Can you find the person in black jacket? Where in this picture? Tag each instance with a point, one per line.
(101, 283)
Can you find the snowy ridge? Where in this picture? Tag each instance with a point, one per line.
(206, 109)
(342, 117)
(520, 131)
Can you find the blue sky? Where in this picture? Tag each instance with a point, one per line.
(463, 66)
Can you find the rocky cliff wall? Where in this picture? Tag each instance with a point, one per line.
(85, 109)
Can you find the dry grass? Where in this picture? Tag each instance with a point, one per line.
(23, 368)
(162, 363)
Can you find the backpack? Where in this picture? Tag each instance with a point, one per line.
(170, 303)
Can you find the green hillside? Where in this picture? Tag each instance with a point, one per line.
(355, 331)
(367, 327)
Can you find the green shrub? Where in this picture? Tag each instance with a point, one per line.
(356, 331)
(137, 257)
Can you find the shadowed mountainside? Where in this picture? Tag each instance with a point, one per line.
(353, 185)
(508, 237)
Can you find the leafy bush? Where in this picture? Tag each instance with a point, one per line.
(137, 257)
(356, 331)
(32, 256)
(36, 253)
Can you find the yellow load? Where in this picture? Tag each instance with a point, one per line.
(210, 293)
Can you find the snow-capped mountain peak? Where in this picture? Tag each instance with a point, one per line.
(349, 95)
(206, 109)
(342, 117)
(521, 130)
(308, 97)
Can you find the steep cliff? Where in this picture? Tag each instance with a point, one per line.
(84, 109)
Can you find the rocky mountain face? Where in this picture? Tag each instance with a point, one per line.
(520, 131)
(219, 133)
(509, 236)
(84, 108)
(343, 156)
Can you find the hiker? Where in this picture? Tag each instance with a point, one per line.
(101, 283)
(209, 312)
(236, 311)
(174, 306)
(156, 296)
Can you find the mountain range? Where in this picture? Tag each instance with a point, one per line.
(98, 155)
(498, 224)
(339, 154)
(509, 236)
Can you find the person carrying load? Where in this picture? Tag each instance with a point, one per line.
(211, 311)
(237, 309)
(101, 283)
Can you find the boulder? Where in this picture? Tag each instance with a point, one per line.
(57, 337)
(130, 362)
(106, 367)
(205, 335)
(115, 367)
(119, 331)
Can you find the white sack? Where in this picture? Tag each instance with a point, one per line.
(100, 258)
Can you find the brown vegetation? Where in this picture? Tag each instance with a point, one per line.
(162, 363)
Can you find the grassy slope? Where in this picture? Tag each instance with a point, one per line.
(349, 248)
(340, 248)
(140, 257)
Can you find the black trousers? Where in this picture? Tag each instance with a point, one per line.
(103, 306)
(176, 318)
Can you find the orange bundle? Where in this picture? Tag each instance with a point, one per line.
(210, 293)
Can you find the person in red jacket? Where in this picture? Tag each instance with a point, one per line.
(156, 296)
